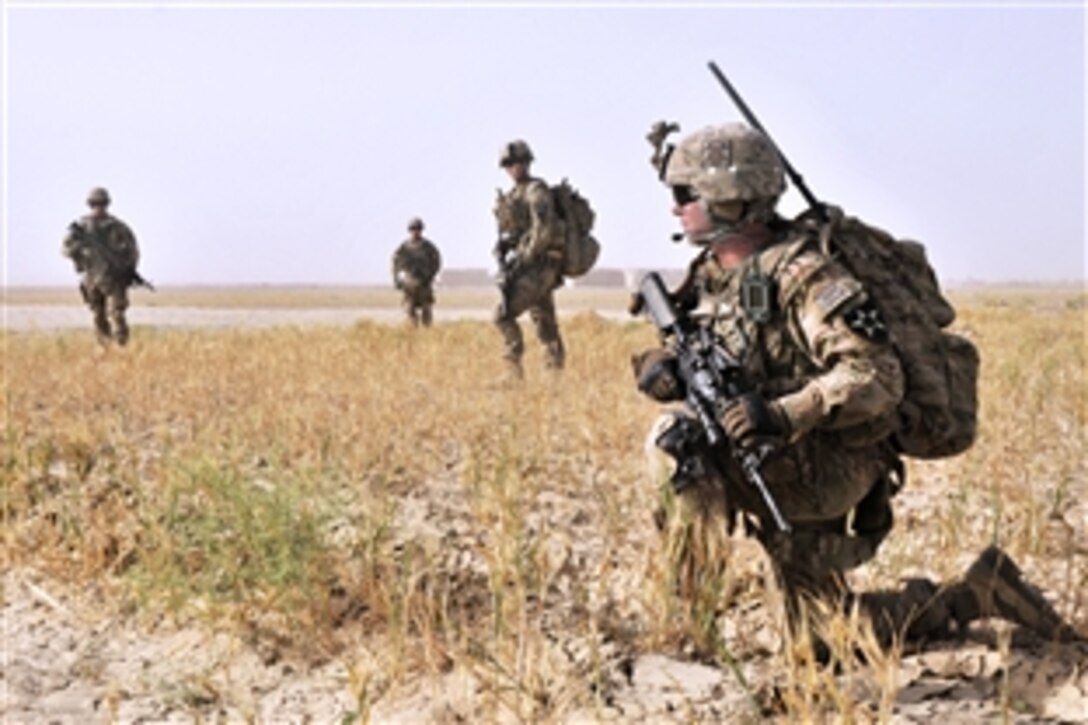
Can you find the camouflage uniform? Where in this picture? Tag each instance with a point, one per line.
(819, 357)
(104, 250)
(415, 264)
(530, 249)
(837, 388)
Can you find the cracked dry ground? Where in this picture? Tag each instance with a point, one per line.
(69, 659)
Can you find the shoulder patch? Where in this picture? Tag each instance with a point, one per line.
(834, 295)
(866, 321)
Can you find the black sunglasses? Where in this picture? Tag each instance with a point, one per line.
(684, 195)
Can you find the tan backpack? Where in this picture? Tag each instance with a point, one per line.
(939, 411)
(581, 247)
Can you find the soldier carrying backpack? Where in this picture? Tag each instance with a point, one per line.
(544, 235)
(829, 333)
(104, 251)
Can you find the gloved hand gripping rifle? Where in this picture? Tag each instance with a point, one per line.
(711, 378)
(505, 255)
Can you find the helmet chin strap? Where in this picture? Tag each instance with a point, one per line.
(702, 239)
(721, 229)
(753, 211)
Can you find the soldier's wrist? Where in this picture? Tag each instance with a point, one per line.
(802, 411)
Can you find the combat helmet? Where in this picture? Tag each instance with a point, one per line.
(98, 195)
(727, 163)
(515, 152)
(415, 223)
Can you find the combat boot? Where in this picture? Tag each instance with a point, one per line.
(555, 355)
(1001, 591)
(102, 328)
(120, 331)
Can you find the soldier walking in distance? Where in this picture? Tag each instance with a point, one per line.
(104, 251)
(415, 265)
(530, 257)
(822, 388)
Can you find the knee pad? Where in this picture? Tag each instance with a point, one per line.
(660, 455)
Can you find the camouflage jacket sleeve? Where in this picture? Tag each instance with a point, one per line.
(123, 242)
(436, 258)
(860, 382)
(544, 232)
(430, 261)
(399, 260)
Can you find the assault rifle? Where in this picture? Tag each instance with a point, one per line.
(711, 377)
(134, 278)
(507, 260)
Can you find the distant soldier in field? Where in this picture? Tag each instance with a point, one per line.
(104, 251)
(820, 390)
(530, 257)
(415, 265)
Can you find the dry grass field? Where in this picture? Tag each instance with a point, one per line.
(370, 524)
(273, 297)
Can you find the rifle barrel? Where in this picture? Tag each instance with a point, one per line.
(751, 462)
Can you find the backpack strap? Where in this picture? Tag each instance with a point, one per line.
(685, 296)
(797, 266)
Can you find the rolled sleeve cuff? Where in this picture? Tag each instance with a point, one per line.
(803, 409)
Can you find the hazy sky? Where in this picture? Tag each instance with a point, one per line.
(280, 144)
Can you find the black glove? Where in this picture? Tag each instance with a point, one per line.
(750, 420)
(658, 375)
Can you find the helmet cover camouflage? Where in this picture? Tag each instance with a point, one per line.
(415, 223)
(515, 152)
(727, 163)
(98, 195)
